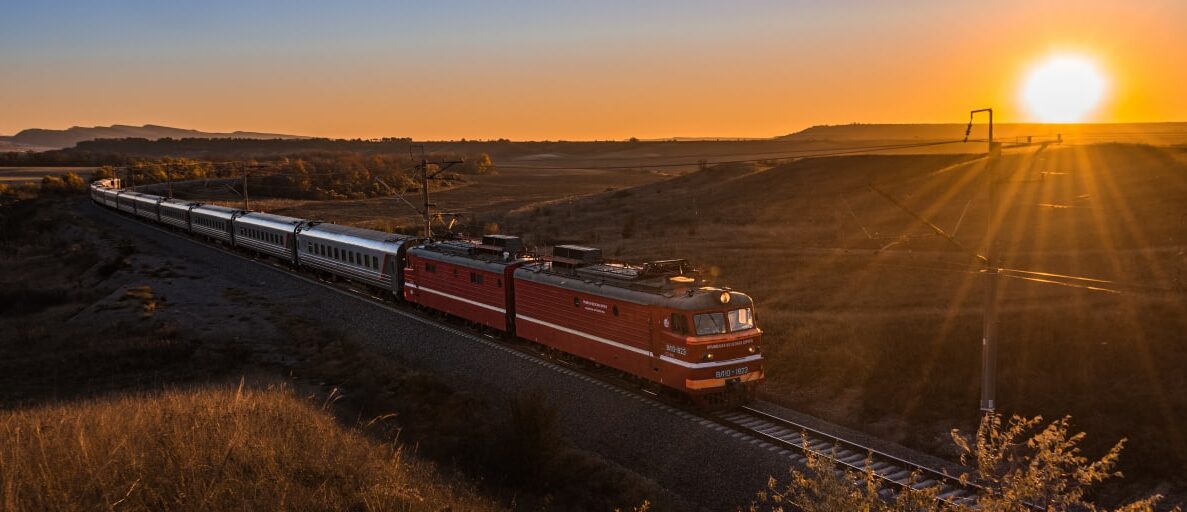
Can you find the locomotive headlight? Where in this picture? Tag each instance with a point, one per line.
(724, 298)
(753, 349)
(708, 356)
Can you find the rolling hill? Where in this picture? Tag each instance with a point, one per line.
(40, 139)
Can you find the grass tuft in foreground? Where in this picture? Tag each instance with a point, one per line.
(217, 448)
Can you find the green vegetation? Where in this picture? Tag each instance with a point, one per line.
(1018, 466)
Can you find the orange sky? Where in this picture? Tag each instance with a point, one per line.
(553, 71)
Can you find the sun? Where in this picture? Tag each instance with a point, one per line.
(1064, 89)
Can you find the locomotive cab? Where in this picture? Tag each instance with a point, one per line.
(713, 331)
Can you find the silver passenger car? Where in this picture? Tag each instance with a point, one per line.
(147, 206)
(363, 255)
(125, 201)
(107, 195)
(176, 212)
(267, 233)
(213, 221)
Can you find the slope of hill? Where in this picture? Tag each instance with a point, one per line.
(43, 138)
(1148, 133)
(872, 322)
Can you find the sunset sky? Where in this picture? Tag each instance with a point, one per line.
(570, 70)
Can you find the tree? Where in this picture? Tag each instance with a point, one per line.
(1017, 466)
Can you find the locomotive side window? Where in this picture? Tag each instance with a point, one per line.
(741, 319)
(709, 323)
(679, 323)
(475, 278)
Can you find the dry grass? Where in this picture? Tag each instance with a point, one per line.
(213, 448)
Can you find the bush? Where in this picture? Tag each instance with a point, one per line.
(1017, 465)
(69, 183)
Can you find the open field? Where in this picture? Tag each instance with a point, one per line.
(874, 323)
(16, 175)
(482, 199)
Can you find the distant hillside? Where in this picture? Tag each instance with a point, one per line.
(39, 138)
(1153, 133)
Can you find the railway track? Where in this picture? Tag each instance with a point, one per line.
(894, 472)
(788, 437)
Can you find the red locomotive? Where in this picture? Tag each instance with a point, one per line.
(656, 321)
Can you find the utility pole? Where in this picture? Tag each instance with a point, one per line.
(245, 203)
(423, 167)
(169, 179)
(424, 189)
(989, 334)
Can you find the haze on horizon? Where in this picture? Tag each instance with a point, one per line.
(553, 70)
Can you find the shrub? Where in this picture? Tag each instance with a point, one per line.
(1017, 466)
(69, 183)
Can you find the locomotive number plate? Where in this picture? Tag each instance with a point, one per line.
(732, 372)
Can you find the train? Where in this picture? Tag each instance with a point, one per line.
(657, 322)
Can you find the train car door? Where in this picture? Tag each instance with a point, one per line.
(657, 345)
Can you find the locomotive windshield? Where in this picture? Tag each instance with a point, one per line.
(709, 323)
(741, 319)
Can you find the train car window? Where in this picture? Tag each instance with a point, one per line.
(475, 278)
(499, 282)
(741, 319)
(576, 302)
(709, 323)
(455, 272)
(336, 253)
(431, 267)
(614, 309)
(679, 323)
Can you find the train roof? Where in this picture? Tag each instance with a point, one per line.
(493, 251)
(270, 220)
(672, 283)
(370, 238)
(215, 210)
(145, 198)
(678, 296)
(178, 203)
